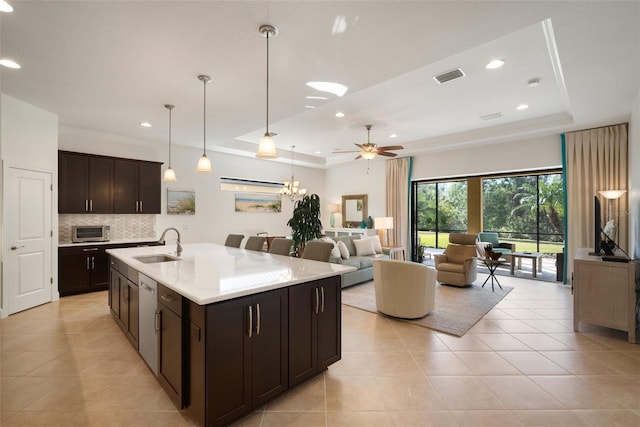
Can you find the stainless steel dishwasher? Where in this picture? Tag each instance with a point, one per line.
(147, 333)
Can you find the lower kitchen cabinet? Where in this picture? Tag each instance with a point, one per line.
(82, 269)
(314, 328)
(124, 302)
(171, 345)
(245, 356)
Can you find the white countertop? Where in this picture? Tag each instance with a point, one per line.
(110, 242)
(208, 272)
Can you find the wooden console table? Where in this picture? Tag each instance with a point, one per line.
(604, 293)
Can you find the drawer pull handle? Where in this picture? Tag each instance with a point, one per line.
(92, 250)
(167, 298)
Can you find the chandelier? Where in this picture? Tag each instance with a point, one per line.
(292, 189)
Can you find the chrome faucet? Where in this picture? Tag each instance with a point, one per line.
(161, 240)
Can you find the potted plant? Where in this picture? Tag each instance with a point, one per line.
(305, 223)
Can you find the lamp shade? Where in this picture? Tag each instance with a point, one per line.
(383, 223)
(267, 148)
(334, 207)
(612, 194)
(204, 164)
(169, 175)
(337, 219)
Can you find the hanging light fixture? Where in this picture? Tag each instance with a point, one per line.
(204, 164)
(292, 189)
(267, 147)
(169, 174)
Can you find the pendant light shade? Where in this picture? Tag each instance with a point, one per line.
(204, 164)
(169, 174)
(267, 147)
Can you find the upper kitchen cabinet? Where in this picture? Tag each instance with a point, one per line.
(85, 183)
(137, 187)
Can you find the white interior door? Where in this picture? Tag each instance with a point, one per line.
(27, 219)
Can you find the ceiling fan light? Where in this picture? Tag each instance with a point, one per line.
(204, 164)
(169, 175)
(368, 155)
(267, 148)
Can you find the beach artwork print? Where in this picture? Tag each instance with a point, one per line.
(181, 202)
(255, 202)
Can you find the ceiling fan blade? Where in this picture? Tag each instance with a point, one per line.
(385, 153)
(358, 145)
(359, 157)
(342, 152)
(391, 147)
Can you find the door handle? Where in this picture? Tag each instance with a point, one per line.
(93, 263)
(141, 209)
(87, 263)
(86, 205)
(91, 205)
(13, 248)
(250, 313)
(317, 301)
(257, 319)
(137, 206)
(322, 299)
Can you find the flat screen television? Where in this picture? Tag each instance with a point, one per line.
(597, 226)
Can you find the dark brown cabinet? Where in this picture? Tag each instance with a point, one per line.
(245, 355)
(82, 269)
(171, 345)
(89, 183)
(124, 300)
(314, 328)
(137, 187)
(85, 183)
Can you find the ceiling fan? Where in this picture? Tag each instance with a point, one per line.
(370, 150)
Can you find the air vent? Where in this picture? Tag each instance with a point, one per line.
(449, 75)
(491, 116)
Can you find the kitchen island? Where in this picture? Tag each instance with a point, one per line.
(235, 328)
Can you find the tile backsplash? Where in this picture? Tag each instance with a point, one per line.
(122, 226)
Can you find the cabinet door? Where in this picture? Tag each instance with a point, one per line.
(73, 183)
(100, 185)
(149, 187)
(170, 357)
(126, 186)
(124, 301)
(99, 270)
(303, 354)
(114, 293)
(269, 345)
(329, 322)
(74, 274)
(228, 360)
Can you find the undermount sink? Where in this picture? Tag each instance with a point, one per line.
(152, 259)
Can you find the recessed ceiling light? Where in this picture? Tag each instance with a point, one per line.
(533, 82)
(339, 114)
(393, 135)
(316, 97)
(309, 106)
(5, 7)
(522, 107)
(145, 124)
(494, 63)
(318, 152)
(9, 63)
(330, 87)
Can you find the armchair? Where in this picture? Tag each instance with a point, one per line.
(503, 248)
(457, 265)
(404, 289)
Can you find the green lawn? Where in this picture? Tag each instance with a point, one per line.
(429, 239)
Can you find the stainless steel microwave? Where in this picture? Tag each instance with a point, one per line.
(90, 233)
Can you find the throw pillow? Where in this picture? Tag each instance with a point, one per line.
(376, 244)
(364, 247)
(344, 252)
(335, 252)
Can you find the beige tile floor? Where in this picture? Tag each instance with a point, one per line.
(67, 364)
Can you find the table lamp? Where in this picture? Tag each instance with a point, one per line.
(334, 208)
(384, 223)
(611, 195)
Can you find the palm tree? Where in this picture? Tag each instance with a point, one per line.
(549, 197)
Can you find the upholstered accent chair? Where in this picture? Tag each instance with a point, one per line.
(255, 243)
(280, 246)
(234, 240)
(317, 250)
(491, 238)
(458, 264)
(404, 289)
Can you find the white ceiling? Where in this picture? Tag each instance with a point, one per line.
(107, 66)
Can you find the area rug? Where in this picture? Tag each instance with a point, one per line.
(457, 309)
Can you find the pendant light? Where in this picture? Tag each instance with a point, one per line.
(169, 174)
(204, 164)
(267, 147)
